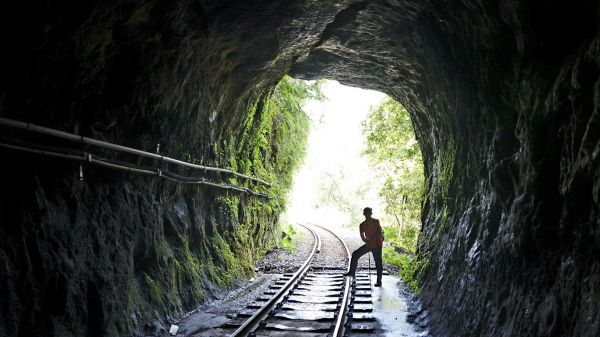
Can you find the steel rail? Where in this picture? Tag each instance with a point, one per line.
(86, 140)
(251, 323)
(319, 243)
(338, 331)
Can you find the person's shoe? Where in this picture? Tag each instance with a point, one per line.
(378, 284)
(348, 274)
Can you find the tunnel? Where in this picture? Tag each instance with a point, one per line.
(504, 97)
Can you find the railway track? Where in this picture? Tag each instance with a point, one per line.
(303, 303)
(316, 300)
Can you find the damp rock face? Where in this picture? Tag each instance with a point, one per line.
(504, 96)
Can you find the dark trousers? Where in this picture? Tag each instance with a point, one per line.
(376, 256)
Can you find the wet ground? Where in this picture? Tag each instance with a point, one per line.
(217, 312)
(390, 302)
(390, 307)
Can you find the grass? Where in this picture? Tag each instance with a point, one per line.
(410, 267)
(290, 238)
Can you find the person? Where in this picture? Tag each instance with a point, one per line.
(372, 235)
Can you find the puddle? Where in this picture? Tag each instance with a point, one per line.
(391, 309)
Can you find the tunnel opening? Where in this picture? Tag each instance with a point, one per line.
(504, 104)
(361, 152)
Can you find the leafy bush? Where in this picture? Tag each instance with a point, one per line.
(395, 155)
(289, 237)
(271, 145)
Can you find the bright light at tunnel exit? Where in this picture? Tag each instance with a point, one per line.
(335, 181)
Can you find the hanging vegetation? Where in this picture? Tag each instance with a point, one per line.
(271, 144)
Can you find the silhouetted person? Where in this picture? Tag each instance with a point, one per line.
(372, 234)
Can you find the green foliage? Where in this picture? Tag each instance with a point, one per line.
(272, 142)
(289, 238)
(271, 145)
(390, 256)
(177, 268)
(395, 154)
(412, 268)
(442, 174)
(332, 191)
(405, 239)
(444, 168)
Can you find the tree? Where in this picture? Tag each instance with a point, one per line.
(395, 155)
(334, 190)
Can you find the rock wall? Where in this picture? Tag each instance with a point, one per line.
(505, 101)
(118, 253)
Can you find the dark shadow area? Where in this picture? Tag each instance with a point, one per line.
(503, 97)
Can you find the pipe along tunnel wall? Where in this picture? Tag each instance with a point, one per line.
(505, 102)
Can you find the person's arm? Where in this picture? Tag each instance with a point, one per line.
(363, 236)
(380, 230)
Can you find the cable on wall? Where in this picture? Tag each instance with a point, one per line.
(86, 157)
(86, 140)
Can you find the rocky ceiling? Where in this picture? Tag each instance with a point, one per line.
(504, 96)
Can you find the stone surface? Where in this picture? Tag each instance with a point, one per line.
(391, 310)
(505, 100)
(281, 261)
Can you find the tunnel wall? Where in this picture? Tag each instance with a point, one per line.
(117, 253)
(504, 98)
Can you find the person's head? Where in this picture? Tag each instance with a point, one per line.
(367, 212)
